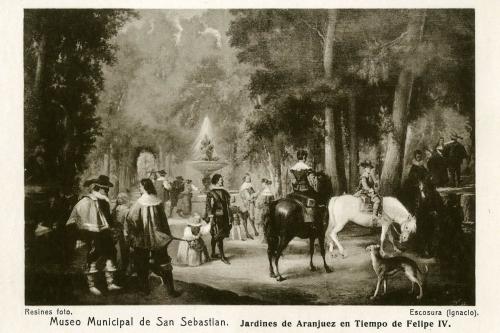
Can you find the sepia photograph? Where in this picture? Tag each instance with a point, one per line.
(249, 156)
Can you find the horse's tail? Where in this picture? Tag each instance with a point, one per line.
(270, 228)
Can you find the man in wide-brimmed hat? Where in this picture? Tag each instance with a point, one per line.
(92, 217)
(367, 186)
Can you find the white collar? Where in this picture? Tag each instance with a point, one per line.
(215, 187)
(94, 195)
(148, 200)
(417, 163)
(266, 191)
(300, 166)
(245, 186)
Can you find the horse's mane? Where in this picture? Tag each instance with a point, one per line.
(396, 205)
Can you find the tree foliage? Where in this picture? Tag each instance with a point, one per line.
(64, 53)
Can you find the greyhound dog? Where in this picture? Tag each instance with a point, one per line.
(385, 267)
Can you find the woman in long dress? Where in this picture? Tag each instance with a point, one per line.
(149, 235)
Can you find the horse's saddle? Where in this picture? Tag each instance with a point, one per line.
(365, 203)
(307, 203)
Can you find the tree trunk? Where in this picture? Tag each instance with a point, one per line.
(40, 68)
(339, 153)
(161, 158)
(117, 173)
(332, 158)
(393, 163)
(277, 169)
(353, 144)
(108, 162)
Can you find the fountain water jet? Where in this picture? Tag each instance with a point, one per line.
(205, 158)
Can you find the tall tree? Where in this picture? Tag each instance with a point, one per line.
(393, 163)
(64, 54)
(334, 151)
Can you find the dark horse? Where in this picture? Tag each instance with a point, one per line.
(286, 221)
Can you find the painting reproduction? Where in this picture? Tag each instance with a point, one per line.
(249, 156)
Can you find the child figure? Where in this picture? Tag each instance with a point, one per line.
(236, 233)
(194, 252)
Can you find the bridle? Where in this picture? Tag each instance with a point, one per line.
(392, 222)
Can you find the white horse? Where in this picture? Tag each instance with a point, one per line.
(346, 208)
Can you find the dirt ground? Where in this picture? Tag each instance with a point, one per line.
(247, 281)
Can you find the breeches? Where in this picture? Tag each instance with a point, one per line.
(219, 230)
(100, 246)
(157, 261)
(375, 198)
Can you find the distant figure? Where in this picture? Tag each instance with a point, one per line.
(186, 198)
(176, 189)
(437, 166)
(193, 252)
(455, 153)
(148, 232)
(161, 185)
(218, 212)
(418, 173)
(247, 207)
(236, 231)
(440, 144)
(36, 169)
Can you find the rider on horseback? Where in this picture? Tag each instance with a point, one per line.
(367, 187)
(302, 189)
(301, 172)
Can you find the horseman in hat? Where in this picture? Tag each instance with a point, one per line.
(367, 186)
(92, 216)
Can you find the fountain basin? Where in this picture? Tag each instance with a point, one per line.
(207, 167)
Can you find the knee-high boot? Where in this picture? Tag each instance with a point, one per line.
(223, 258)
(91, 283)
(213, 242)
(168, 280)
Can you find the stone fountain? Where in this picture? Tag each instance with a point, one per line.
(205, 158)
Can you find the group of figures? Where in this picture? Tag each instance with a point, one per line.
(313, 213)
(133, 239)
(178, 192)
(224, 218)
(142, 229)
